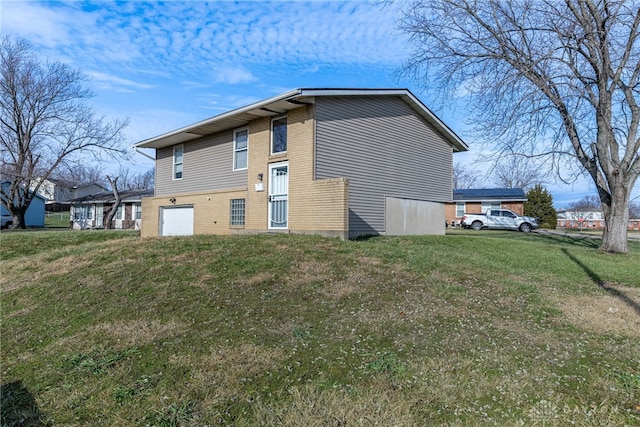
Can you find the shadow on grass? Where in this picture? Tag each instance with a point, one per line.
(602, 284)
(18, 407)
(584, 241)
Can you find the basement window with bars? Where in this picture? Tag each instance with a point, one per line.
(237, 212)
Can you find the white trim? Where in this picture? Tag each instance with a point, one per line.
(235, 150)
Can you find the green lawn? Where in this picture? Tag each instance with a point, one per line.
(471, 328)
(56, 219)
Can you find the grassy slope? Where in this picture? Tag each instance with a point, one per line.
(104, 328)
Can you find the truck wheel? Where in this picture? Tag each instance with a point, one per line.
(477, 225)
(525, 228)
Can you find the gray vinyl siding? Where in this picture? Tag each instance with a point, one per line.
(384, 149)
(207, 166)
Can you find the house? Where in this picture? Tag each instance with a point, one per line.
(91, 211)
(334, 162)
(588, 219)
(57, 193)
(482, 199)
(34, 217)
(591, 219)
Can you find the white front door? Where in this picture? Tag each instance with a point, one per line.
(278, 195)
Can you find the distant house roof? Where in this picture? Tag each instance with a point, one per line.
(287, 101)
(108, 197)
(482, 194)
(7, 183)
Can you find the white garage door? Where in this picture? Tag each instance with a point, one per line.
(177, 221)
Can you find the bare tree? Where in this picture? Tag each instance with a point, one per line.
(147, 180)
(75, 174)
(114, 208)
(464, 177)
(130, 180)
(516, 172)
(45, 124)
(549, 78)
(587, 203)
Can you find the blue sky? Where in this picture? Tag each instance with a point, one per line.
(168, 64)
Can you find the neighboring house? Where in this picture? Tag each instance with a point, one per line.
(58, 192)
(593, 219)
(91, 211)
(588, 219)
(34, 217)
(480, 200)
(335, 162)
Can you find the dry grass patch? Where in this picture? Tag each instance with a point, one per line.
(19, 312)
(311, 407)
(204, 281)
(92, 281)
(223, 372)
(259, 278)
(139, 332)
(17, 274)
(616, 311)
(338, 289)
(368, 260)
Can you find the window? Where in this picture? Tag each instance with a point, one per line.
(237, 212)
(137, 210)
(240, 143)
(178, 153)
(120, 212)
(83, 212)
(488, 205)
(279, 135)
(459, 209)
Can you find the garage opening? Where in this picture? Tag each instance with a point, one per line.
(176, 221)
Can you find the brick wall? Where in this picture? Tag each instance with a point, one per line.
(210, 211)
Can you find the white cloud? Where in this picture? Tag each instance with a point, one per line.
(233, 75)
(40, 23)
(107, 81)
(179, 37)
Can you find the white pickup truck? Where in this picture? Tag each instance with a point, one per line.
(5, 221)
(499, 219)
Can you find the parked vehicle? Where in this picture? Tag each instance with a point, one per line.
(499, 219)
(6, 221)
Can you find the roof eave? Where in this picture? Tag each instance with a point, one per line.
(184, 134)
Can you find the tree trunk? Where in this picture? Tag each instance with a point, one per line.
(616, 221)
(18, 218)
(114, 208)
